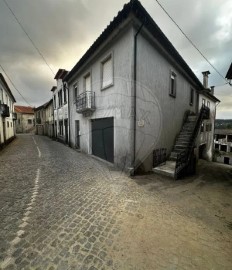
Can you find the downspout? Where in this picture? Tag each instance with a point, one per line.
(69, 128)
(135, 96)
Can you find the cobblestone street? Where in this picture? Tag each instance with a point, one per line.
(61, 209)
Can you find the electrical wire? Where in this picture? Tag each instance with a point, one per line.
(32, 42)
(191, 41)
(15, 86)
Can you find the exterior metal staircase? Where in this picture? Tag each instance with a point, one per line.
(181, 159)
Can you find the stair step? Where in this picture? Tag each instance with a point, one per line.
(167, 169)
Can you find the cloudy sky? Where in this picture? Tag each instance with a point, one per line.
(64, 29)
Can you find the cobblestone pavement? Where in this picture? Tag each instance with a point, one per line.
(61, 209)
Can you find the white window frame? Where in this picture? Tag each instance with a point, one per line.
(106, 59)
(88, 74)
(75, 91)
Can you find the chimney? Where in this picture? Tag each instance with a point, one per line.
(205, 78)
(212, 89)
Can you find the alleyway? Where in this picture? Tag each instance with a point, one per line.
(61, 209)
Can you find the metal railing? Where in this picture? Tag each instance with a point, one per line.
(4, 110)
(184, 157)
(85, 102)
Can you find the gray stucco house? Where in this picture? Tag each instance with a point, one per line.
(131, 94)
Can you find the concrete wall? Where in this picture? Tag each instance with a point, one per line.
(159, 115)
(114, 101)
(207, 137)
(24, 126)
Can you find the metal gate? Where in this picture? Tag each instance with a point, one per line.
(103, 138)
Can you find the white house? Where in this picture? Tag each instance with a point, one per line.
(130, 94)
(7, 115)
(60, 105)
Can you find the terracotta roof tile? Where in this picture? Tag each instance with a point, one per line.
(24, 109)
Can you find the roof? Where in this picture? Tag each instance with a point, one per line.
(206, 92)
(61, 73)
(44, 106)
(229, 73)
(24, 109)
(223, 131)
(134, 7)
(7, 87)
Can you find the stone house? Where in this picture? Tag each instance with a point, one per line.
(133, 100)
(25, 122)
(7, 114)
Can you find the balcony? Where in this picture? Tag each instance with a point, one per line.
(4, 110)
(85, 102)
(14, 116)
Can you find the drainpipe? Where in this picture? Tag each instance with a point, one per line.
(135, 95)
(69, 128)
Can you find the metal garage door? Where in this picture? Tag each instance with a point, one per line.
(103, 138)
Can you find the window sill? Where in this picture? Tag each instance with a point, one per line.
(106, 87)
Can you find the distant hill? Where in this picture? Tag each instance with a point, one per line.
(223, 123)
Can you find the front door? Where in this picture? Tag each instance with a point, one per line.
(77, 124)
(226, 160)
(66, 130)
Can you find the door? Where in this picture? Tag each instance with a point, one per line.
(103, 138)
(77, 143)
(226, 160)
(66, 130)
(4, 131)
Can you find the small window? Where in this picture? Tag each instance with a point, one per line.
(7, 123)
(202, 127)
(19, 121)
(203, 101)
(172, 91)
(191, 96)
(61, 128)
(208, 104)
(87, 83)
(11, 124)
(107, 72)
(60, 100)
(29, 121)
(75, 92)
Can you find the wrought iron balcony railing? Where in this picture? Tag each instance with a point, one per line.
(14, 116)
(85, 102)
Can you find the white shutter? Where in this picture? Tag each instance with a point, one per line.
(107, 73)
(87, 83)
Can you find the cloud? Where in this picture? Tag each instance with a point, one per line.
(64, 29)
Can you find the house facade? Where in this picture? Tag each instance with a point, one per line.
(7, 114)
(49, 121)
(129, 93)
(25, 122)
(40, 119)
(61, 109)
(223, 146)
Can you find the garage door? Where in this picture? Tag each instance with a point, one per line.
(103, 138)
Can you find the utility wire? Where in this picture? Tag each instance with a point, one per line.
(191, 41)
(14, 86)
(32, 42)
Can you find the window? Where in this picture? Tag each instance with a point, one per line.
(54, 101)
(107, 72)
(172, 91)
(7, 123)
(60, 100)
(61, 132)
(191, 96)
(208, 104)
(75, 92)
(208, 127)
(65, 94)
(87, 82)
(1, 96)
(202, 127)
(11, 124)
(203, 101)
(19, 121)
(29, 121)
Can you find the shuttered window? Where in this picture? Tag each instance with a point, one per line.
(107, 72)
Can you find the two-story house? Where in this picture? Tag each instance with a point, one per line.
(25, 122)
(131, 94)
(49, 121)
(7, 114)
(61, 109)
